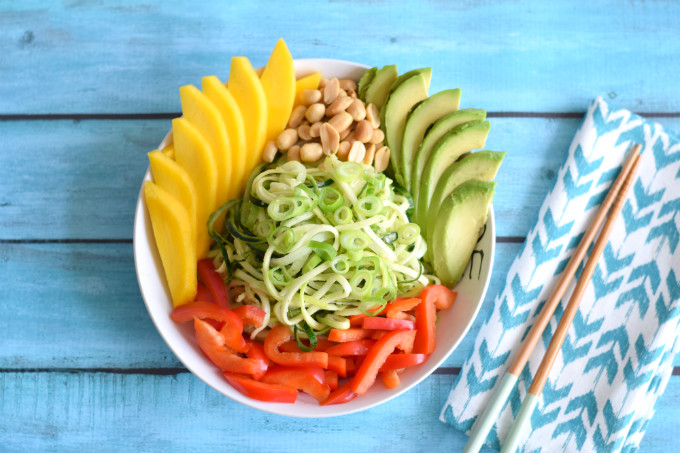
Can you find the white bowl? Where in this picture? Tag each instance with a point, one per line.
(451, 327)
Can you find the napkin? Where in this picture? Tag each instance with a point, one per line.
(618, 354)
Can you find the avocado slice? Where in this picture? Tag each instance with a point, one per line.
(377, 91)
(427, 72)
(460, 140)
(420, 119)
(396, 110)
(457, 226)
(482, 165)
(365, 81)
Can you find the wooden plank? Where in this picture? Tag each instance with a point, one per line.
(80, 180)
(95, 412)
(94, 57)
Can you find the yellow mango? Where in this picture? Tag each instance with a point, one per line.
(204, 116)
(193, 153)
(174, 234)
(169, 151)
(245, 86)
(173, 178)
(278, 82)
(308, 82)
(218, 93)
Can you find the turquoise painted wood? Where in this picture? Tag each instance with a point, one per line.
(81, 366)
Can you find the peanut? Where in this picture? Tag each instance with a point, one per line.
(370, 153)
(297, 116)
(347, 135)
(348, 84)
(352, 94)
(309, 97)
(377, 136)
(311, 152)
(304, 131)
(269, 151)
(373, 115)
(363, 131)
(341, 121)
(293, 153)
(382, 158)
(357, 152)
(315, 130)
(343, 150)
(330, 139)
(357, 109)
(286, 139)
(331, 91)
(322, 83)
(315, 112)
(339, 105)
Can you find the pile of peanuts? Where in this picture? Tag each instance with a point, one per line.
(332, 120)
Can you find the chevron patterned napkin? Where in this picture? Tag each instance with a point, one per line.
(618, 355)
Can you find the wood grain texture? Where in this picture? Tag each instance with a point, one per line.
(90, 56)
(80, 179)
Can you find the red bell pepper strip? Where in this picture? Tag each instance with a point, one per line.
(262, 391)
(351, 334)
(357, 347)
(202, 293)
(399, 361)
(341, 395)
(256, 351)
(397, 308)
(232, 328)
(279, 335)
(250, 315)
(380, 323)
(310, 380)
(426, 316)
(440, 295)
(213, 345)
(368, 371)
(351, 365)
(292, 346)
(331, 379)
(356, 320)
(390, 378)
(337, 364)
(209, 276)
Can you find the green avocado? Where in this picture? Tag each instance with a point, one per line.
(457, 226)
(420, 119)
(376, 92)
(427, 72)
(458, 141)
(482, 165)
(396, 111)
(365, 81)
(432, 136)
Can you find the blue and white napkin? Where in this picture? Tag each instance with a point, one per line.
(618, 355)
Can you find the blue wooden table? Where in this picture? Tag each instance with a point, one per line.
(88, 87)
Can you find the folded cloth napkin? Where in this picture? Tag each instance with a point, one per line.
(618, 355)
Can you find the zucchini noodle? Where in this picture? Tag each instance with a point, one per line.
(312, 246)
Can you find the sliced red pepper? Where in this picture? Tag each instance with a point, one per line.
(202, 293)
(337, 364)
(331, 379)
(426, 316)
(440, 295)
(310, 380)
(356, 320)
(399, 361)
(262, 391)
(212, 280)
(292, 346)
(357, 347)
(351, 334)
(256, 351)
(250, 315)
(213, 345)
(380, 323)
(279, 335)
(368, 371)
(397, 308)
(232, 328)
(390, 378)
(351, 365)
(341, 395)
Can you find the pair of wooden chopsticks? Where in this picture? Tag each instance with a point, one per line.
(615, 199)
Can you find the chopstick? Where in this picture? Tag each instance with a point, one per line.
(500, 396)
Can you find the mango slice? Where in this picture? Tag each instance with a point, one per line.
(308, 82)
(204, 116)
(169, 151)
(193, 153)
(245, 86)
(278, 82)
(174, 233)
(218, 93)
(173, 178)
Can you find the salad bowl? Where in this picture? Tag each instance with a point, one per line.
(452, 324)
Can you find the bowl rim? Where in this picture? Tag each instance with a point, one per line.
(140, 226)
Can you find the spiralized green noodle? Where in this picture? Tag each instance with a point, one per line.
(313, 246)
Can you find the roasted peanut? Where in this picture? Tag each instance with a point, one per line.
(347, 135)
(377, 136)
(357, 152)
(357, 109)
(322, 83)
(343, 150)
(297, 116)
(286, 139)
(363, 131)
(352, 94)
(331, 91)
(330, 139)
(341, 121)
(304, 131)
(370, 153)
(311, 152)
(315, 112)
(348, 84)
(339, 105)
(293, 153)
(315, 130)
(382, 158)
(309, 97)
(269, 151)
(373, 115)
